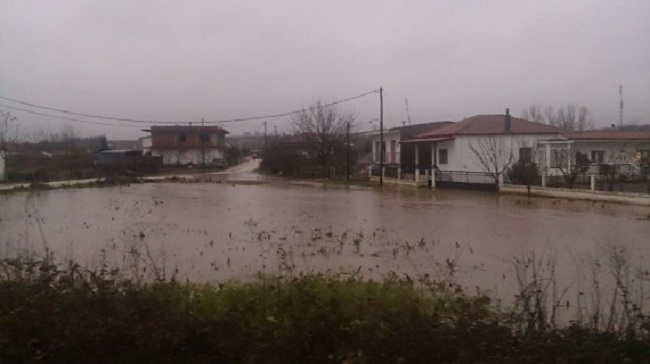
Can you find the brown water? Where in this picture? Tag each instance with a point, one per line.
(234, 230)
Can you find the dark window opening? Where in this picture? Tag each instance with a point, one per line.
(443, 156)
(182, 138)
(597, 156)
(204, 138)
(525, 155)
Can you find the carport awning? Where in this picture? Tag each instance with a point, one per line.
(428, 140)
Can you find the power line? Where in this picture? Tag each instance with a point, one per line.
(70, 119)
(296, 111)
(172, 122)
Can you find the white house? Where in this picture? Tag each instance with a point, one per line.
(627, 150)
(482, 145)
(397, 154)
(187, 144)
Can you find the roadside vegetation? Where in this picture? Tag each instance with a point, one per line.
(61, 313)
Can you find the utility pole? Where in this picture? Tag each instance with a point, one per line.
(381, 136)
(266, 139)
(347, 137)
(202, 142)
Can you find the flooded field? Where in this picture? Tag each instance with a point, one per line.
(237, 229)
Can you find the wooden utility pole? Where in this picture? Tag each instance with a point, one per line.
(347, 143)
(266, 139)
(202, 142)
(381, 136)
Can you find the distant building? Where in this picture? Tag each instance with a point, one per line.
(183, 145)
(125, 144)
(396, 153)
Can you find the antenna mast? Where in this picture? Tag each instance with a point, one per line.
(408, 114)
(620, 92)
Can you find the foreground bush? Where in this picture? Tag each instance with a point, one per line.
(64, 315)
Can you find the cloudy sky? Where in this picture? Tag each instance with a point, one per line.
(187, 60)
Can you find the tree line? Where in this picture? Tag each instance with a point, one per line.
(570, 116)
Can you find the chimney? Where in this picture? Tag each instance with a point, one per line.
(508, 123)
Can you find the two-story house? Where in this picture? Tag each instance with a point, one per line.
(184, 145)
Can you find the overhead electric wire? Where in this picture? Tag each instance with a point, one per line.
(129, 120)
(296, 111)
(70, 119)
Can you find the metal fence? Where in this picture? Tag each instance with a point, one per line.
(464, 177)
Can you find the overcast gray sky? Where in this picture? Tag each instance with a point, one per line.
(187, 60)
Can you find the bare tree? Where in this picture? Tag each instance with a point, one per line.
(494, 154)
(550, 116)
(323, 131)
(585, 119)
(568, 117)
(7, 135)
(8, 129)
(534, 113)
(570, 166)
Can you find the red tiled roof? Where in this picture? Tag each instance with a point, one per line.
(608, 135)
(491, 125)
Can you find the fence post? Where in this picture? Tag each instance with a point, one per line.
(500, 179)
(399, 174)
(417, 175)
(383, 173)
(544, 179)
(592, 181)
(369, 172)
(426, 176)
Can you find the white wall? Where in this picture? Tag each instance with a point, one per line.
(616, 151)
(388, 137)
(145, 143)
(194, 156)
(461, 157)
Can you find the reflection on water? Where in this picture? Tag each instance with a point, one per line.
(230, 230)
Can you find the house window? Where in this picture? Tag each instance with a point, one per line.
(597, 156)
(643, 160)
(525, 155)
(182, 138)
(642, 156)
(443, 156)
(204, 138)
(559, 158)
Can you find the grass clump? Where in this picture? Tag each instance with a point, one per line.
(62, 313)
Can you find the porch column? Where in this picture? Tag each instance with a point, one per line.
(592, 178)
(548, 157)
(417, 162)
(568, 156)
(399, 173)
(544, 179)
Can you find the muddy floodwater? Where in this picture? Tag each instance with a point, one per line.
(238, 229)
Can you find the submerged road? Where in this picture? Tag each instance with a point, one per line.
(246, 170)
